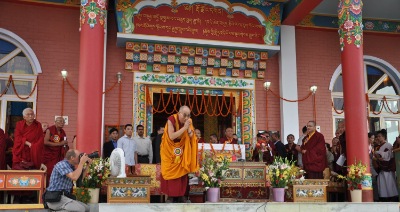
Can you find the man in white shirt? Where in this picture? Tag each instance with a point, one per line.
(128, 145)
(144, 148)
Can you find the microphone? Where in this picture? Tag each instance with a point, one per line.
(270, 152)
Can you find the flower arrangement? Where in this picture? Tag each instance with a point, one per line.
(355, 175)
(261, 148)
(280, 172)
(82, 194)
(212, 171)
(97, 173)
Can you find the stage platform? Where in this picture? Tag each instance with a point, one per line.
(229, 207)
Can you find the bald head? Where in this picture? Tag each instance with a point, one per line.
(311, 127)
(71, 153)
(59, 122)
(184, 112)
(184, 108)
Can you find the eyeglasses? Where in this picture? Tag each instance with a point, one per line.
(185, 115)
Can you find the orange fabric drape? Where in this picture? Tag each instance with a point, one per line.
(175, 166)
(200, 103)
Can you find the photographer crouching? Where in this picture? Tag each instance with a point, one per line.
(58, 195)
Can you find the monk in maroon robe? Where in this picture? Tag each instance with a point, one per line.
(3, 149)
(313, 153)
(198, 135)
(55, 145)
(229, 139)
(28, 143)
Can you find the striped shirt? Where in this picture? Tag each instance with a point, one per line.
(59, 180)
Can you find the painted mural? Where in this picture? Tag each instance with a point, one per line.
(233, 21)
(369, 25)
(196, 60)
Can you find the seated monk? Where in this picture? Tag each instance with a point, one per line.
(229, 139)
(178, 155)
(200, 139)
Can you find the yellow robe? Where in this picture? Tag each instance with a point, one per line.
(173, 164)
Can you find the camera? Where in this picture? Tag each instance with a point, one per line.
(92, 155)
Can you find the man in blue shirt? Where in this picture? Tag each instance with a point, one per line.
(62, 177)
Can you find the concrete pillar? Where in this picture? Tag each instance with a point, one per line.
(288, 83)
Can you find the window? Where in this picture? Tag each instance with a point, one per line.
(382, 86)
(19, 61)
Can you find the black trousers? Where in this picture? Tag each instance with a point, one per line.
(143, 159)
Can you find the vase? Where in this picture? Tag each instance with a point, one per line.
(94, 195)
(278, 194)
(260, 156)
(213, 194)
(356, 195)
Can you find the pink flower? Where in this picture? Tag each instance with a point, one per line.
(212, 81)
(178, 79)
(348, 24)
(92, 15)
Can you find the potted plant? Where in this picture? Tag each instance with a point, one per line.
(97, 173)
(354, 178)
(279, 174)
(212, 173)
(82, 194)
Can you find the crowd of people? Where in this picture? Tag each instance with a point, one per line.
(320, 160)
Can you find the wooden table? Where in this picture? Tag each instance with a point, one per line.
(23, 180)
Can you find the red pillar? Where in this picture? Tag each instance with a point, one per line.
(92, 20)
(351, 42)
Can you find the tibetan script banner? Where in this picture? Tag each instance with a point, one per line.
(199, 21)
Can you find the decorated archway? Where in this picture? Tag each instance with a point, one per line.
(242, 90)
